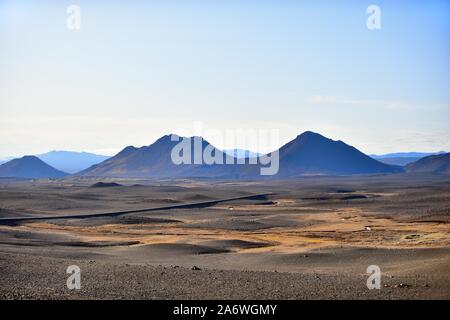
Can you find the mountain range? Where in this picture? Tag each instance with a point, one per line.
(308, 154)
(67, 161)
(403, 158)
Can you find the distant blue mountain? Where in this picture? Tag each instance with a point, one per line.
(241, 153)
(406, 155)
(70, 161)
(403, 158)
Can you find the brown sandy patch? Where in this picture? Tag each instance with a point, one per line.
(343, 227)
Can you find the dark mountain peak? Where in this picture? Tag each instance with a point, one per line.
(130, 148)
(29, 159)
(312, 137)
(29, 167)
(312, 153)
(307, 139)
(127, 150)
(173, 137)
(165, 138)
(310, 134)
(169, 140)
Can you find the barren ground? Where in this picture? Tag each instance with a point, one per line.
(311, 238)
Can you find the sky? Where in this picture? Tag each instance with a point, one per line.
(134, 72)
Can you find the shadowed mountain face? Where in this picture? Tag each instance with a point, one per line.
(156, 161)
(29, 167)
(69, 161)
(431, 164)
(308, 154)
(311, 153)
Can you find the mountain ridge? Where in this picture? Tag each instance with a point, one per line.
(71, 161)
(432, 164)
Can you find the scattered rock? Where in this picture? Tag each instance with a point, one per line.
(402, 285)
(105, 185)
(344, 191)
(195, 268)
(356, 196)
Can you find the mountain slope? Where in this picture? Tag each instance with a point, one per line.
(70, 161)
(431, 164)
(4, 160)
(29, 167)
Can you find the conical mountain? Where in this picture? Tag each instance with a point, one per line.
(29, 167)
(156, 160)
(311, 153)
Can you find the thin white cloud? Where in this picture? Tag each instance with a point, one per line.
(400, 105)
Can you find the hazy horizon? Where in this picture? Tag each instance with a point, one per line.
(135, 72)
(223, 149)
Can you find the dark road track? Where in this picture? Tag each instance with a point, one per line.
(9, 221)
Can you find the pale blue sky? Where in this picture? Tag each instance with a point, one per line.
(137, 71)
